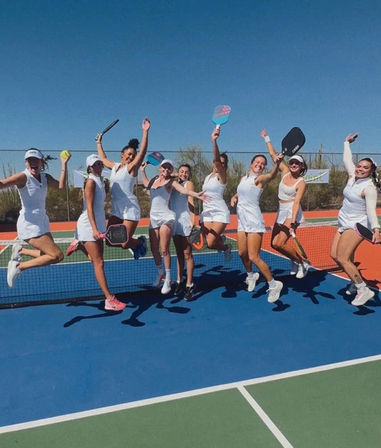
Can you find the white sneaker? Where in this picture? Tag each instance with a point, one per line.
(228, 253)
(252, 281)
(166, 287)
(294, 267)
(13, 272)
(274, 293)
(16, 256)
(159, 278)
(363, 295)
(351, 289)
(303, 269)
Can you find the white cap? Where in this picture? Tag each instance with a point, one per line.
(33, 152)
(298, 158)
(91, 159)
(168, 161)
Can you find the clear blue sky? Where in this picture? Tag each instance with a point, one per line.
(70, 67)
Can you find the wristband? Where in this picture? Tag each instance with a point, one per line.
(267, 139)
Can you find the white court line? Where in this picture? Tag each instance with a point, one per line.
(192, 393)
(265, 418)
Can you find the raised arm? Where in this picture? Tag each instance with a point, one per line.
(264, 179)
(347, 154)
(216, 156)
(106, 162)
(145, 179)
(136, 163)
(270, 148)
(61, 183)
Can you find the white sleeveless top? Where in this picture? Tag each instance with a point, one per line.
(125, 204)
(159, 211)
(285, 192)
(249, 214)
(214, 210)
(354, 209)
(33, 220)
(84, 231)
(179, 204)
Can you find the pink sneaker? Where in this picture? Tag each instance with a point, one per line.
(113, 304)
(72, 247)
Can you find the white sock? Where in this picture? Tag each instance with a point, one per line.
(271, 283)
(360, 285)
(190, 286)
(168, 274)
(250, 274)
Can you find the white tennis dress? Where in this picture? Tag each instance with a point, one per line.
(160, 212)
(33, 220)
(214, 210)
(125, 204)
(249, 214)
(179, 204)
(287, 193)
(355, 208)
(84, 231)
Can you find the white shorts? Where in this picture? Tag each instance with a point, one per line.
(250, 221)
(346, 222)
(215, 215)
(285, 212)
(166, 217)
(130, 212)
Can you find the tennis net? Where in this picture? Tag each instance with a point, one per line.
(73, 279)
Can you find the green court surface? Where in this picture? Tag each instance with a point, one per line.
(333, 408)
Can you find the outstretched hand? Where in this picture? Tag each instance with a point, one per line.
(146, 124)
(215, 134)
(263, 133)
(351, 137)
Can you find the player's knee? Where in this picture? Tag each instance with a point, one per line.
(242, 253)
(58, 256)
(275, 245)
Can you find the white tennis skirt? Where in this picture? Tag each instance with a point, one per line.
(285, 212)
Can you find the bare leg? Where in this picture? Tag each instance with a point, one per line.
(49, 252)
(213, 231)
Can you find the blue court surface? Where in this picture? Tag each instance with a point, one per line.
(66, 358)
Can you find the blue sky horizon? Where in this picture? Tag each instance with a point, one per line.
(71, 67)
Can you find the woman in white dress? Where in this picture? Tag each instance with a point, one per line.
(215, 213)
(251, 226)
(359, 206)
(125, 206)
(291, 190)
(91, 224)
(162, 218)
(183, 207)
(33, 223)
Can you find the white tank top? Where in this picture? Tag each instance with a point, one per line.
(179, 202)
(215, 190)
(33, 195)
(285, 192)
(159, 200)
(248, 192)
(354, 203)
(122, 190)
